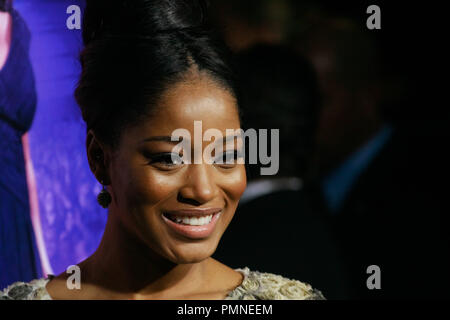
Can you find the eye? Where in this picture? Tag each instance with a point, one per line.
(228, 159)
(166, 160)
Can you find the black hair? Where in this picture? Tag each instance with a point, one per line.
(134, 50)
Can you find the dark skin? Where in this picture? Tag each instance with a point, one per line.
(139, 257)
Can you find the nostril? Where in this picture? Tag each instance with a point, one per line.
(183, 199)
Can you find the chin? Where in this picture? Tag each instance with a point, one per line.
(193, 252)
(191, 260)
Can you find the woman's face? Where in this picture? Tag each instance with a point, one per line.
(149, 190)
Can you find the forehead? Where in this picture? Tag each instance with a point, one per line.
(185, 102)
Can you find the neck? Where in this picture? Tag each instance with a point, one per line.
(124, 264)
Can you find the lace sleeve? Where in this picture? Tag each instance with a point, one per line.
(267, 286)
(17, 291)
(34, 290)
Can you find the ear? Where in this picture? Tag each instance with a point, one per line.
(97, 158)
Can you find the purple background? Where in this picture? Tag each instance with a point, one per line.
(72, 221)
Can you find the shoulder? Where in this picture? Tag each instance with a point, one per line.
(21, 27)
(268, 286)
(33, 290)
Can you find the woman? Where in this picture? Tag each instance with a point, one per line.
(19, 258)
(149, 68)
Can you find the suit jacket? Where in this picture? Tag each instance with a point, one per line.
(395, 217)
(283, 233)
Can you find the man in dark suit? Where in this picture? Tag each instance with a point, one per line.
(377, 163)
(394, 217)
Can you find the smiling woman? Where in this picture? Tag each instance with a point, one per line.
(149, 68)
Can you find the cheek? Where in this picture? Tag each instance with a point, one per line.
(152, 186)
(235, 183)
(138, 185)
(148, 187)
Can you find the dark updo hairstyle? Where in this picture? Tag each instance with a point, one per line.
(134, 50)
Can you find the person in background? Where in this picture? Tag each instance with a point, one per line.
(248, 23)
(19, 259)
(279, 90)
(374, 165)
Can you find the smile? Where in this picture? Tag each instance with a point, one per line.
(193, 224)
(192, 221)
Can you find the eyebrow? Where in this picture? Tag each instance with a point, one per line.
(161, 138)
(169, 138)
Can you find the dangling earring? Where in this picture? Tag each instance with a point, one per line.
(104, 198)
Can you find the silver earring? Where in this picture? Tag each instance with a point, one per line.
(104, 198)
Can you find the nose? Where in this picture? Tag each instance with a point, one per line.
(200, 186)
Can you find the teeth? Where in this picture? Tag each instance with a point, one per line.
(193, 221)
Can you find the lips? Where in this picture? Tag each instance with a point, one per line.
(181, 221)
(194, 212)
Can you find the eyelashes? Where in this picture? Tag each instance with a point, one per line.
(168, 159)
(172, 160)
(229, 155)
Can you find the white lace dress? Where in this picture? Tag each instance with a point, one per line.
(255, 286)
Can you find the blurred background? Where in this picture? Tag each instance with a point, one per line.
(363, 137)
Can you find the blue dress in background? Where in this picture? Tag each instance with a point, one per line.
(19, 258)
